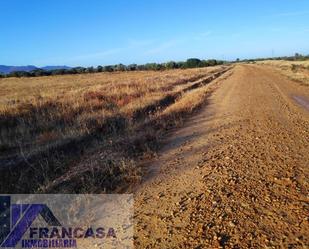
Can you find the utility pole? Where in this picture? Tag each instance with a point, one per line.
(223, 57)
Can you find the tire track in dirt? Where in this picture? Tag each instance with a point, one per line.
(236, 175)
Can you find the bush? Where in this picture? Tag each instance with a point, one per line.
(171, 65)
(132, 67)
(19, 74)
(193, 62)
(99, 69)
(108, 69)
(120, 67)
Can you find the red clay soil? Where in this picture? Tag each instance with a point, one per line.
(236, 175)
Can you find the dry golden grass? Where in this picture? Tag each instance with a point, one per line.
(52, 125)
(295, 70)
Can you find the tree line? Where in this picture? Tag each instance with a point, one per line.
(189, 63)
(296, 57)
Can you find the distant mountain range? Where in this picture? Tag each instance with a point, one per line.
(8, 69)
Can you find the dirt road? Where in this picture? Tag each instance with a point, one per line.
(236, 175)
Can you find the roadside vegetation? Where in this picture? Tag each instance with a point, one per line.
(296, 57)
(294, 67)
(294, 70)
(85, 132)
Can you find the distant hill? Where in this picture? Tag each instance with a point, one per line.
(8, 69)
(48, 68)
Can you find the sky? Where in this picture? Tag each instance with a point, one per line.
(102, 32)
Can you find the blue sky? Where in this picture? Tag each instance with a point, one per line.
(101, 32)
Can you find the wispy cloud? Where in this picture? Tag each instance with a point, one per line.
(295, 13)
(77, 59)
(162, 47)
(277, 29)
(130, 44)
(166, 45)
(285, 30)
(97, 55)
(139, 42)
(202, 35)
(302, 31)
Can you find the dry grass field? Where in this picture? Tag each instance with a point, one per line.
(295, 70)
(52, 127)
